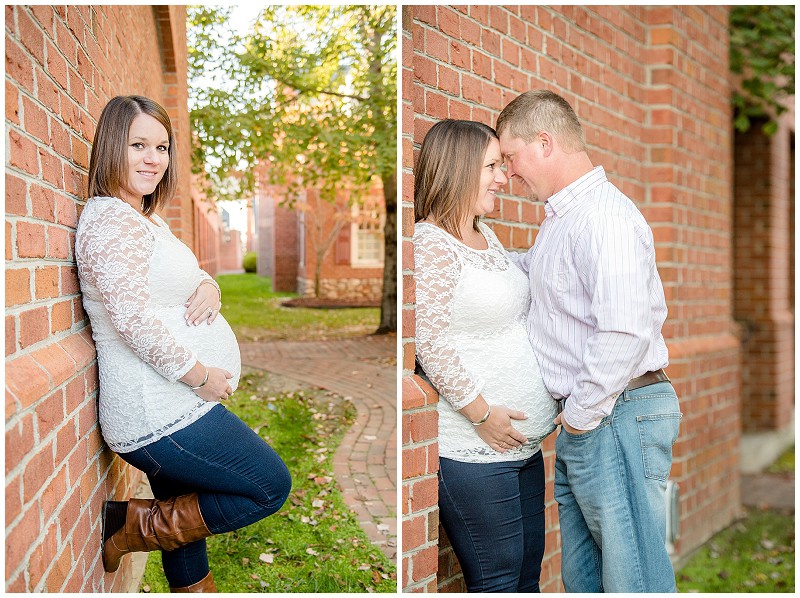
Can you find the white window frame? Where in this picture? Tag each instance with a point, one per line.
(356, 233)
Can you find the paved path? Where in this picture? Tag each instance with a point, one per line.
(768, 490)
(365, 465)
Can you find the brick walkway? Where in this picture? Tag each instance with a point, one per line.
(365, 465)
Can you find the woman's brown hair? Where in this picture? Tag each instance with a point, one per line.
(108, 165)
(447, 175)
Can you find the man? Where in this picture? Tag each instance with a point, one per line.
(595, 324)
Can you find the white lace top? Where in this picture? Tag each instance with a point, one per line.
(471, 339)
(135, 278)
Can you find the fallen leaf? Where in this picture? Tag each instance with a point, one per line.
(318, 504)
(146, 589)
(245, 561)
(312, 552)
(266, 557)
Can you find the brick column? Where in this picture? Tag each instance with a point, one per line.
(763, 269)
(419, 502)
(689, 204)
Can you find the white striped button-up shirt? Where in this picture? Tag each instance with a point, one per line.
(597, 302)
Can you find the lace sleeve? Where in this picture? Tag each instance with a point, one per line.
(113, 253)
(436, 274)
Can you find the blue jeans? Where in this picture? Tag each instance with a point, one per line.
(610, 485)
(239, 478)
(493, 514)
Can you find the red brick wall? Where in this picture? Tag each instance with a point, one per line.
(63, 63)
(280, 252)
(206, 237)
(337, 265)
(651, 87)
(286, 252)
(277, 245)
(764, 266)
(230, 247)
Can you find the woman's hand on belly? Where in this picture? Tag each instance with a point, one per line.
(215, 387)
(203, 305)
(498, 432)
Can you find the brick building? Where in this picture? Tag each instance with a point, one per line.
(652, 88)
(63, 63)
(287, 237)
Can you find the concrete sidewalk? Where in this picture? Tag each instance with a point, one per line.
(365, 465)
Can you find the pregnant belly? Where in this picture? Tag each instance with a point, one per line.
(214, 345)
(511, 376)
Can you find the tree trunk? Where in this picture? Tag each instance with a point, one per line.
(317, 274)
(388, 321)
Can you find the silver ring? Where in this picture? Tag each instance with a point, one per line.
(210, 311)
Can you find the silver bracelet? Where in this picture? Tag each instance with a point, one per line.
(485, 417)
(216, 286)
(203, 383)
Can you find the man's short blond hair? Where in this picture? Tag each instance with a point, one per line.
(532, 112)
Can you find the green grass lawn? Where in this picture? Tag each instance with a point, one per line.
(755, 554)
(314, 543)
(255, 313)
(784, 464)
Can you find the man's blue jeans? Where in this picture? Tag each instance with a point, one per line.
(610, 485)
(493, 514)
(239, 478)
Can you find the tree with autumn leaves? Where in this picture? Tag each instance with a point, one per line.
(311, 93)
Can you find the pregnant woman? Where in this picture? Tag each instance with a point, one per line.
(472, 343)
(166, 360)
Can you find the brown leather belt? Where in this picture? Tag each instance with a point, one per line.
(647, 379)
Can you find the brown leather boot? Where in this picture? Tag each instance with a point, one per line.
(205, 585)
(155, 525)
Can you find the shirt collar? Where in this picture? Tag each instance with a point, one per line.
(562, 202)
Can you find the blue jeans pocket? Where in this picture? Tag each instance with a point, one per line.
(657, 434)
(606, 421)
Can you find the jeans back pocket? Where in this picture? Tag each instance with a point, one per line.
(657, 434)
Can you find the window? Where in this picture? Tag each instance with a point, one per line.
(366, 238)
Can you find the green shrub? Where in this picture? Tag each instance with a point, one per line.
(249, 261)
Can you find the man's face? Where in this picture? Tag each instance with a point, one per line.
(523, 160)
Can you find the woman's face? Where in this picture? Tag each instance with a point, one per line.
(492, 178)
(148, 158)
